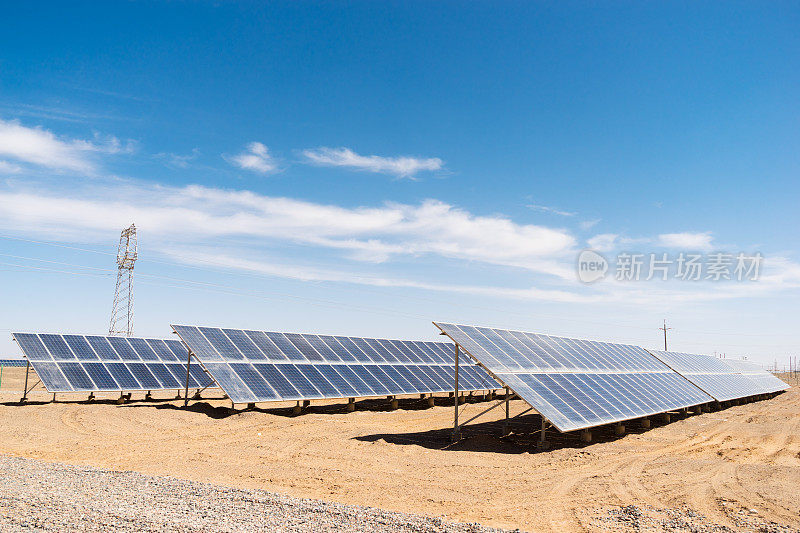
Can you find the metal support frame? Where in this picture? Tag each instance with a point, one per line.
(456, 427)
(197, 394)
(456, 435)
(543, 434)
(504, 401)
(506, 428)
(25, 390)
(188, 363)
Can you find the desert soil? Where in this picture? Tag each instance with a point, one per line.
(738, 468)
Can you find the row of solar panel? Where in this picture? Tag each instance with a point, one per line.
(73, 363)
(723, 379)
(687, 363)
(51, 347)
(768, 382)
(63, 376)
(577, 401)
(215, 344)
(649, 382)
(516, 351)
(245, 382)
(13, 362)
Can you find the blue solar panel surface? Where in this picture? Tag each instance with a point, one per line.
(257, 366)
(722, 379)
(765, 381)
(13, 362)
(78, 363)
(577, 383)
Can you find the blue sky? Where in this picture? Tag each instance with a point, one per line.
(364, 168)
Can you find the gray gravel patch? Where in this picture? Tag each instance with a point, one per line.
(40, 496)
(632, 518)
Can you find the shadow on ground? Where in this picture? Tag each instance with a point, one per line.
(488, 437)
(372, 405)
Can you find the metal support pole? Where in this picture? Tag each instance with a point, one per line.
(186, 395)
(542, 435)
(25, 391)
(506, 429)
(456, 428)
(1, 376)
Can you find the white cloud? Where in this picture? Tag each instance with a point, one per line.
(604, 242)
(686, 241)
(40, 147)
(9, 168)
(553, 210)
(779, 275)
(304, 273)
(179, 160)
(589, 224)
(256, 158)
(364, 233)
(235, 229)
(402, 167)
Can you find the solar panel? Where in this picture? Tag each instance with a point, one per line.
(260, 366)
(89, 363)
(723, 379)
(765, 381)
(574, 383)
(13, 362)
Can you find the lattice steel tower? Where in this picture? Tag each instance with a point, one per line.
(122, 314)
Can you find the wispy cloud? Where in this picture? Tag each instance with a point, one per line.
(235, 229)
(781, 274)
(686, 241)
(401, 167)
(255, 158)
(553, 210)
(179, 160)
(304, 273)
(589, 224)
(373, 234)
(604, 242)
(62, 114)
(9, 168)
(40, 147)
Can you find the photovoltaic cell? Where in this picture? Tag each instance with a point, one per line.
(307, 366)
(32, 347)
(13, 362)
(576, 383)
(723, 379)
(91, 363)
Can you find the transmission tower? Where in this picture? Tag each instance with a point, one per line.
(122, 314)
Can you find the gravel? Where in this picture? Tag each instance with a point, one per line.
(40, 496)
(630, 518)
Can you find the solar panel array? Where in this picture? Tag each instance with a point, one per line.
(763, 380)
(259, 366)
(576, 383)
(73, 363)
(713, 375)
(724, 379)
(13, 362)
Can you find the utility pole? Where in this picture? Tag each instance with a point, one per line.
(122, 313)
(664, 329)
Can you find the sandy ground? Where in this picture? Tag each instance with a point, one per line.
(745, 457)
